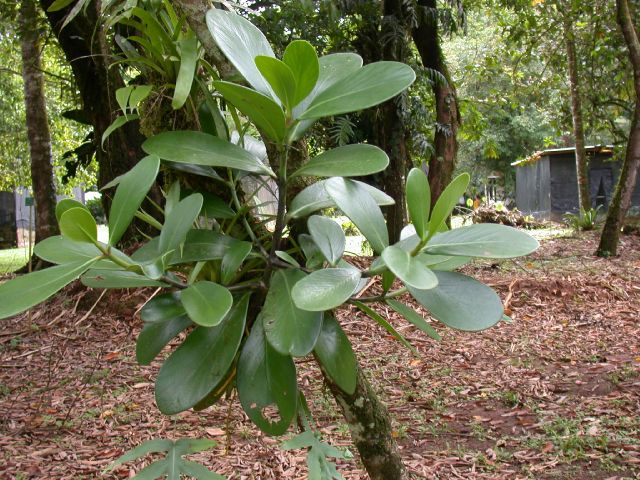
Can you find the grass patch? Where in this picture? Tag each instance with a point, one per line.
(12, 259)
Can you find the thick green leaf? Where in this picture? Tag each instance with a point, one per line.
(206, 303)
(290, 330)
(162, 308)
(447, 200)
(212, 120)
(202, 245)
(325, 289)
(96, 278)
(357, 204)
(241, 42)
(282, 255)
(442, 262)
(122, 97)
(414, 318)
(67, 204)
(78, 224)
(179, 222)
(419, 201)
(232, 260)
(188, 61)
(328, 236)
(302, 59)
(155, 336)
(369, 86)
(371, 313)
(347, 161)
(333, 351)
(132, 189)
(333, 68)
(408, 269)
(59, 5)
(315, 197)
(486, 240)
(58, 249)
(266, 381)
(203, 149)
(280, 77)
(24, 292)
(461, 302)
(262, 110)
(200, 362)
(139, 93)
(215, 207)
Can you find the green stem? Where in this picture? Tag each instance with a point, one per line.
(245, 223)
(380, 298)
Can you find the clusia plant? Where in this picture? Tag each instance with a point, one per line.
(253, 293)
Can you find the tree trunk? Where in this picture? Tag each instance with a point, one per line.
(42, 179)
(87, 51)
(392, 132)
(629, 172)
(582, 169)
(370, 429)
(427, 40)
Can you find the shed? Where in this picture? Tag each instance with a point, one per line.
(547, 186)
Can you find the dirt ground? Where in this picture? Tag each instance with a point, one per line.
(554, 395)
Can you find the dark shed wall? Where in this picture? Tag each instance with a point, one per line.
(564, 187)
(7, 219)
(532, 189)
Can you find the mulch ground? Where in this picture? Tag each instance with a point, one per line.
(553, 395)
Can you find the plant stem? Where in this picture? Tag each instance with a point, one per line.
(282, 201)
(245, 223)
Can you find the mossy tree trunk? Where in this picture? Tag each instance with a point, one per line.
(445, 138)
(629, 172)
(370, 429)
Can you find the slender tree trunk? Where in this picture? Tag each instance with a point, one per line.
(44, 190)
(427, 40)
(370, 429)
(629, 172)
(582, 169)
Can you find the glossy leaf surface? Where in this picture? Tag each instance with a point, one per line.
(78, 224)
(188, 62)
(266, 381)
(447, 200)
(132, 189)
(264, 112)
(315, 197)
(280, 78)
(347, 161)
(419, 201)
(414, 318)
(485, 240)
(96, 278)
(290, 330)
(206, 303)
(368, 86)
(179, 222)
(203, 149)
(241, 42)
(28, 290)
(328, 236)
(325, 289)
(302, 59)
(408, 269)
(200, 362)
(357, 204)
(461, 302)
(334, 352)
(232, 260)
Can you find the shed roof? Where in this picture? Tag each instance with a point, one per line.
(604, 149)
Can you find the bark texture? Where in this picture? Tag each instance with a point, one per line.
(427, 40)
(370, 429)
(39, 138)
(390, 131)
(582, 168)
(629, 172)
(87, 51)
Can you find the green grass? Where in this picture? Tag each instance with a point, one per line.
(12, 259)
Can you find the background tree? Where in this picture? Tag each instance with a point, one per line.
(627, 179)
(43, 181)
